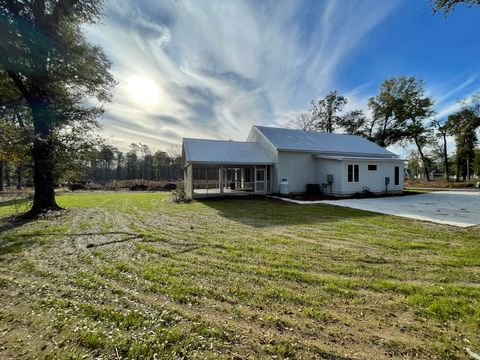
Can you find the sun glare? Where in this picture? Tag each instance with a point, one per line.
(143, 90)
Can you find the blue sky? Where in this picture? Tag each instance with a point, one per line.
(191, 68)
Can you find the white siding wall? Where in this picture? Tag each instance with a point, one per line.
(298, 168)
(254, 136)
(301, 169)
(374, 180)
(323, 168)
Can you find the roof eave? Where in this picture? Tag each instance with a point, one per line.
(317, 152)
(359, 158)
(229, 163)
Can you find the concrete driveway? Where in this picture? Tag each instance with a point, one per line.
(458, 208)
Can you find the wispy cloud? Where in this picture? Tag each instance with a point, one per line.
(221, 66)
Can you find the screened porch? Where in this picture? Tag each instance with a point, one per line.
(221, 180)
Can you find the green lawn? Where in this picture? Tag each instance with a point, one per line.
(131, 275)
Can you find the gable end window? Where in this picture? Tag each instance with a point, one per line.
(372, 167)
(353, 170)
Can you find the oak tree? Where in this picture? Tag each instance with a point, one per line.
(62, 79)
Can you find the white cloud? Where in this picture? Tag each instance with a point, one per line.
(220, 66)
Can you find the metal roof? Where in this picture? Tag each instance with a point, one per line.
(326, 143)
(355, 158)
(224, 152)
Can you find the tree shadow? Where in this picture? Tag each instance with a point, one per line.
(17, 202)
(268, 212)
(15, 243)
(10, 243)
(13, 221)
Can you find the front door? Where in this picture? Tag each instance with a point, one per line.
(260, 181)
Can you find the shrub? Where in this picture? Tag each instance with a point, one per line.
(179, 194)
(76, 186)
(139, 187)
(138, 184)
(170, 186)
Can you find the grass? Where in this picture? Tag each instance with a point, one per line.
(132, 275)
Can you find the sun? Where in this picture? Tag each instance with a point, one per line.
(143, 91)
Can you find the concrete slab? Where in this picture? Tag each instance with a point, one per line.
(458, 208)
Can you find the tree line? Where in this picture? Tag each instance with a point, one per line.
(106, 163)
(403, 114)
(98, 162)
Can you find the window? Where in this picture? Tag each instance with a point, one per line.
(372, 167)
(353, 172)
(397, 175)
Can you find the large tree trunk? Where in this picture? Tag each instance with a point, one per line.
(43, 158)
(43, 177)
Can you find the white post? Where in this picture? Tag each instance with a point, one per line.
(220, 173)
(190, 180)
(265, 179)
(271, 178)
(255, 178)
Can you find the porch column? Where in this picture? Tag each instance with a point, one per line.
(189, 181)
(270, 168)
(265, 175)
(192, 189)
(255, 178)
(220, 179)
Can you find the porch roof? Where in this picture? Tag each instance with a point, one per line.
(202, 151)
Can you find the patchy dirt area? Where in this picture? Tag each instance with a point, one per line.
(132, 275)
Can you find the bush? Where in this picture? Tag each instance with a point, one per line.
(138, 184)
(170, 186)
(76, 186)
(139, 187)
(179, 194)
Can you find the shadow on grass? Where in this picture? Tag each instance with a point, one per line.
(14, 243)
(16, 202)
(266, 212)
(12, 222)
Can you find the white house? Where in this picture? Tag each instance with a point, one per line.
(340, 164)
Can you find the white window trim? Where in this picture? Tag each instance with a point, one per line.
(353, 173)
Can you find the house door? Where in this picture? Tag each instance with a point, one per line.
(260, 180)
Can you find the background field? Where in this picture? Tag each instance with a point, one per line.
(133, 275)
